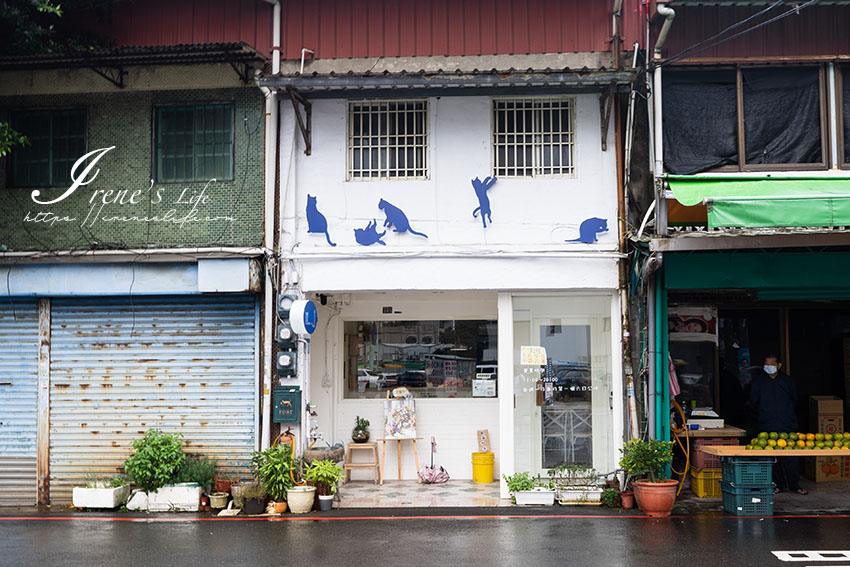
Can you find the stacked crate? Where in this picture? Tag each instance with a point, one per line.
(747, 486)
(705, 468)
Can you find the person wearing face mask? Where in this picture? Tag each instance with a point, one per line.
(774, 396)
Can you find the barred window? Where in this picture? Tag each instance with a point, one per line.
(57, 139)
(388, 140)
(194, 143)
(533, 137)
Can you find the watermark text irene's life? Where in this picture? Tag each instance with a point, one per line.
(103, 201)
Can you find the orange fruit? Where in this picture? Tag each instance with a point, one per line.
(782, 443)
(771, 442)
(810, 436)
(801, 443)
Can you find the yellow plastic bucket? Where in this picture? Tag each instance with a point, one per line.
(482, 467)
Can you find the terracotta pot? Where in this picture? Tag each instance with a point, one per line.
(627, 498)
(279, 507)
(222, 484)
(656, 499)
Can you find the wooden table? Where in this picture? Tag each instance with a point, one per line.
(725, 431)
(372, 464)
(740, 451)
(384, 440)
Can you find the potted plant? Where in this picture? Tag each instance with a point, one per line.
(101, 492)
(155, 463)
(576, 484)
(325, 476)
(273, 468)
(526, 490)
(222, 483)
(196, 469)
(360, 434)
(647, 460)
(610, 497)
(254, 498)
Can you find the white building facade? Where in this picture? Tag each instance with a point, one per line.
(451, 307)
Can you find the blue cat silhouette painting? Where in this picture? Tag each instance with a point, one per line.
(481, 188)
(316, 221)
(589, 229)
(397, 218)
(369, 235)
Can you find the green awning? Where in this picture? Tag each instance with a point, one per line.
(754, 202)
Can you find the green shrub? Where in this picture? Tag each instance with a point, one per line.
(272, 468)
(196, 469)
(324, 475)
(646, 458)
(157, 458)
(519, 481)
(611, 497)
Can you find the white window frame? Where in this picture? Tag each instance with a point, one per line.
(387, 171)
(538, 147)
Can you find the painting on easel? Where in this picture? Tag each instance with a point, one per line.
(399, 415)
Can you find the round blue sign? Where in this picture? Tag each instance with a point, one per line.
(303, 317)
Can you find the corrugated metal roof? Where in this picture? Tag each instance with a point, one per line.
(236, 52)
(453, 79)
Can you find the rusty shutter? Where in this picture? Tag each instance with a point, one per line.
(120, 366)
(18, 402)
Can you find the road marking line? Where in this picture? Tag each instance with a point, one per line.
(812, 555)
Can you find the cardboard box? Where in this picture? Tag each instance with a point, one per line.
(827, 468)
(826, 414)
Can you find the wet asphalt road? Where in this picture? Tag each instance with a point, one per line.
(494, 541)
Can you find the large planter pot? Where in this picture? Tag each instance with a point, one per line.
(536, 497)
(656, 499)
(101, 497)
(218, 500)
(580, 495)
(185, 497)
(300, 498)
(326, 502)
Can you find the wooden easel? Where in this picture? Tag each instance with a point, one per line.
(398, 440)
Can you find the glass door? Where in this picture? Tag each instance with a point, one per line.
(562, 382)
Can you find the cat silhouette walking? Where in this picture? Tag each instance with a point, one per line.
(316, 221)
(481, 188)
(397, 218)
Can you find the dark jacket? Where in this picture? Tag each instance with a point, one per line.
(774, 401)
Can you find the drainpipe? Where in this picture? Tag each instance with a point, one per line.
(271, 110)
(653, 358)
(615, 31)
(668, 14)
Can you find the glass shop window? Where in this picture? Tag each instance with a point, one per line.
(432, 359)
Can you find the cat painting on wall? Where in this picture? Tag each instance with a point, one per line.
(316, 221)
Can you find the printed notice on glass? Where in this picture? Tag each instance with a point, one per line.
(532, 355)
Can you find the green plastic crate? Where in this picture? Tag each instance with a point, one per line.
(743, 471)
(747, 500)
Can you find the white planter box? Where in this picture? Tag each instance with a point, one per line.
(100, 497)
(536, 497)
(175, 498)
(589, 495)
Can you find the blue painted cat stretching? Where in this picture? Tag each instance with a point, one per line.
(316, 221)
(481, 188)
(369, 235)
(397, 218)
(589, 228)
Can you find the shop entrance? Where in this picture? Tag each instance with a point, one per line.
(811, 339)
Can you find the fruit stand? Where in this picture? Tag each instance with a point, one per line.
(746, 480)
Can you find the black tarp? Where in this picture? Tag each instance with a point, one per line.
(700, 120)
(782, 116)
(846, 109)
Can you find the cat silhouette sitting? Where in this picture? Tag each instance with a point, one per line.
(589, 228)
(481, 188)
(369, 235)
(316, 221)
(397, 218)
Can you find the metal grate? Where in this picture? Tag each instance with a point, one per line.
(533, 137)
(387, 140)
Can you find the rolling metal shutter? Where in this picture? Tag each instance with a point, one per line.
(18, 403)
(119, 367)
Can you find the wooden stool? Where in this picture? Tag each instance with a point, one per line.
(398, 445)
(371, 464)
